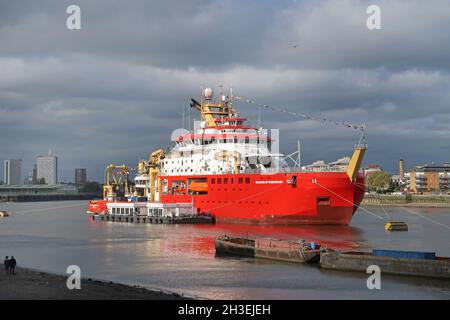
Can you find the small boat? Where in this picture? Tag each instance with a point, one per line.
(282, 250)
(4, 214)
(409, 263)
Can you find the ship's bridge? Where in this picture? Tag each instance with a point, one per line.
(215, 151)
(231, 121)
(222, 144)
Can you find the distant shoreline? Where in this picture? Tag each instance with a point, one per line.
(30, 284)
(408, 205)
(45, 198)
(407, 200)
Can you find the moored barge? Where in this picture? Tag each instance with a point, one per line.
(408, 263)
(289, 251)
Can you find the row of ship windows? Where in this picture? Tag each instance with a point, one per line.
(232, 201)
(191, 170)
(124, 210)
(181, 161)
(206, 141)
(231, 180)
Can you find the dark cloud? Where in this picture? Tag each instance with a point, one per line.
(113, 91)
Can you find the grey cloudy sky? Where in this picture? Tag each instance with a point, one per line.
(114, 90)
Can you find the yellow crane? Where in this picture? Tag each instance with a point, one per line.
(152, 168)
(115, 177)
(154, 165)
(355, 161)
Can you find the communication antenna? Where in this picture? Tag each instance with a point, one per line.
(189, 118)
(182, 116)
(259, 117)
(221, 91)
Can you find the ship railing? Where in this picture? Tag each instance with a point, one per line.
(292, 170)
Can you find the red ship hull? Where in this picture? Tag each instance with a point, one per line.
(97, 206)
(316, 198)
(327, 198)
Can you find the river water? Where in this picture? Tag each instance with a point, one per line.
(52, 235)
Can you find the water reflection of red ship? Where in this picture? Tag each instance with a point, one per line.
(202, 240)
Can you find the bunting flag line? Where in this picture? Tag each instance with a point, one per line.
(344, 124)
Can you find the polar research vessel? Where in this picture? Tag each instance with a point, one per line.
(231, 170)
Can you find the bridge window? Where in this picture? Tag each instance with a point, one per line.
(225, 180)
(213, 180)
(241, 180)
(219, 180)
(247, 180)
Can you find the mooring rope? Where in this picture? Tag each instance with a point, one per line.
(408, 210)
(351, 202)
(361, 186)
(428, 219)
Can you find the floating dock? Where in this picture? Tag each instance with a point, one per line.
(408, 263)
(153, 212)
(273, 249)
(196, 219)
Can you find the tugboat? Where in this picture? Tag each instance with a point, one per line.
(230, 170)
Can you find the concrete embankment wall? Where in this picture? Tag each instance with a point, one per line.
(407, 200)
(415, 267)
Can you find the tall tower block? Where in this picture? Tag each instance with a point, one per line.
(401, 167)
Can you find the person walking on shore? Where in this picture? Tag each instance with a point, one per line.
(12, 266)
(6, 264)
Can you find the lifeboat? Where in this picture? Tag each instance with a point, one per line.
(197, 186)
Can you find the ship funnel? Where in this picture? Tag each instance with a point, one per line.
(208, 93)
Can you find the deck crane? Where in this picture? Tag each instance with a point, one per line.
(152, 168)
(115, 177)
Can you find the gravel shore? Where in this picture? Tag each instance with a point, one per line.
(30, 284)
